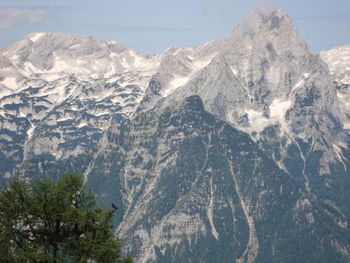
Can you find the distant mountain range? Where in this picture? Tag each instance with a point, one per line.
(234, 151)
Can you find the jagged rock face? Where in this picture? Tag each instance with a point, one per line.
(262, 75)
(193, 189)
(264, 81)
(39, 125)
(60, 92)
(190, 187)
(76, 124)
(338, 60)
(81, 55)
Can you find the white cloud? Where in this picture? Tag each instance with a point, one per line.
(10, 17)
(267, 7)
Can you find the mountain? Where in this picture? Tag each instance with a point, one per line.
(338, 60)
(231, 201)
(263, 80)
(274, 72)
(237, 150)
(60, 92)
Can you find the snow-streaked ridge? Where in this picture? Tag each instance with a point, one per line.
(338, 61)
(252, 248)
(210, 211)
(34, 37)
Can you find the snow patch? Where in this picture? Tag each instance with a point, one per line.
(176, 83)
(339, 154)
(30, 68)
(10, 82)
(132, 60)
(30, 131)
(51, 77)
(65, 119)
(278, 108)
(14, 57)
(210, 211)
(201, 63)
(256, 119)
(234, 71)
(179, 81)
(36, 36)
(111, 71)
(140, 62)
(82, 124)
(301, 82)
(59, 65)
(98, 113)
(338, 61)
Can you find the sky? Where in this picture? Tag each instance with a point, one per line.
(151, 26)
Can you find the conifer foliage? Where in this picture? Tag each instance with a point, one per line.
(55, 221)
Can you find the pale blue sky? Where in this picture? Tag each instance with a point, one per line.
(150, 26)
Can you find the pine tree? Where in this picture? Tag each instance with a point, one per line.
(55, 221)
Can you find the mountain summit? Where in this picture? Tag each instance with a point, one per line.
(274, 26)
(260, 73)
(52, 53)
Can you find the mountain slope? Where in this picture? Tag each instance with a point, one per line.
(263, 80)
(338, 60)
(262, 74)
(192, 188)
(60, 92)
(236, 150)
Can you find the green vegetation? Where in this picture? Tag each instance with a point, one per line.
(55, 221)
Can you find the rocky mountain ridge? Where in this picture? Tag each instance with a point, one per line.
(338, 60)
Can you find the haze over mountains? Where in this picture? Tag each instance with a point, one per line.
(237, 150)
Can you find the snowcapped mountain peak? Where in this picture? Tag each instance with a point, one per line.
(34, 37)
(264, 20)
(273, 28)
(69, 81)
(338, 60)
(50, 56)
(259, 76)
(271, 12)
